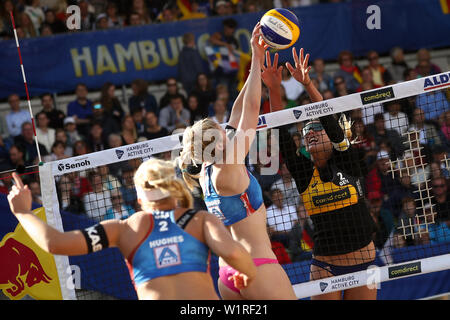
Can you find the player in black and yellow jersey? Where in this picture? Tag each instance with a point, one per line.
(330, 185)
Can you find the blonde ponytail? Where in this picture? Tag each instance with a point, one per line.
(191, 156)
(160, 174)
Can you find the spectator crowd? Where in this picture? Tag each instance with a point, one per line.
(411, 135)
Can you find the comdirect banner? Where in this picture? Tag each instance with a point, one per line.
(57, 63)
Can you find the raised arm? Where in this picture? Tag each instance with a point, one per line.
(219, 239)
(54, 241)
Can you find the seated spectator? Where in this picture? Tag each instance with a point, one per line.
(134, 19)
(445, 127)
(384, 222)
(55, 116)
(110, 104)
(29, 29)
(6, 182)
(419, 173)
(379, 180)
(324, 79)
(286, 185)
(16, 117)
(16, 157)
(395, 119)
(205, 92)
(340, 87)
(190, 63)
(99, 200)
(428, 135)
(220, 112)
(402, 189)
(57, 152)
(26, 140)
(56, 25)
(223, 8)
(398, 65)
(128, 190)
(87, 18)
(223, 94)
(364, 141)
(68, 201)
(172, 91)
(81, 109)
(367, 80)
(292, 87)
(440, 154)
(70, 128)
(441, 198)
(45, 30)
(280, 218)
(80, 148)
(174, 116)
(300, 237)
(96, 140)
(141, 98)
(60, 135)
(101, 22)
(129, 132)
(348, 71)
(115, 140)
(424, 65)
(138, 118)
(380, 133)
(380, 74)
(407, 218)
(410, 74)
(80, 186)
(119, 210)
(226, 39)
(194, 109)
(139, 7)
(45, 135)
(168, 13)
(152, 129)
(194, 13)
(35, 189)
(433, 103)
(280, 252)
(4, 155)
(113, 19)
(110, 182)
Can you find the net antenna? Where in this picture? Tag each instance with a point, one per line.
(413, 163)
(26, 88)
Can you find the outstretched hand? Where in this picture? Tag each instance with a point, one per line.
(301, 70)
(271, 75)
(19, 197)
(240, 280)
(258, 44)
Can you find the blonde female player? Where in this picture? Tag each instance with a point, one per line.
(166, 246)
(330, 185)
(231, 192)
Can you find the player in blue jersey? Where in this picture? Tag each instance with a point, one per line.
(166, 246)
(230, 191)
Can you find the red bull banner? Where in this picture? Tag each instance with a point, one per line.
(25, 269)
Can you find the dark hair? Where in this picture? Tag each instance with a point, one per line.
(56, 143)
(80, 84)
(176, 96)
(46, 94)
(230, 23)
(378, 116)
(142, 86)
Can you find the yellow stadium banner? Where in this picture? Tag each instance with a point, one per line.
(25, 269)
(445, 5)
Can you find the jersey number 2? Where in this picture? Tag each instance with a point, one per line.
(163, 226)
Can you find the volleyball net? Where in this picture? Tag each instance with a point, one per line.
(402, 131)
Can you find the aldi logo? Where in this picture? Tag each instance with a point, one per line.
(436, 82)
(167, 256)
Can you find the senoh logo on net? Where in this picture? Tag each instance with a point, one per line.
(69, 166)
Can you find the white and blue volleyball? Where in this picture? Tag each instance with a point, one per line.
(280, 28)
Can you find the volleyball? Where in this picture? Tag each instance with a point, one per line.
(280, 28)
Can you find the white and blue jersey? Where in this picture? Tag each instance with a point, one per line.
(231, 209)
(167, 249)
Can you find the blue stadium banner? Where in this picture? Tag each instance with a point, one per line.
(57, 63)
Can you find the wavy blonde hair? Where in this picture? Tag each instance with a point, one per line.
(193, 147)
(160, 174)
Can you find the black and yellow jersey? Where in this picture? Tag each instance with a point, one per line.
(333, 196)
